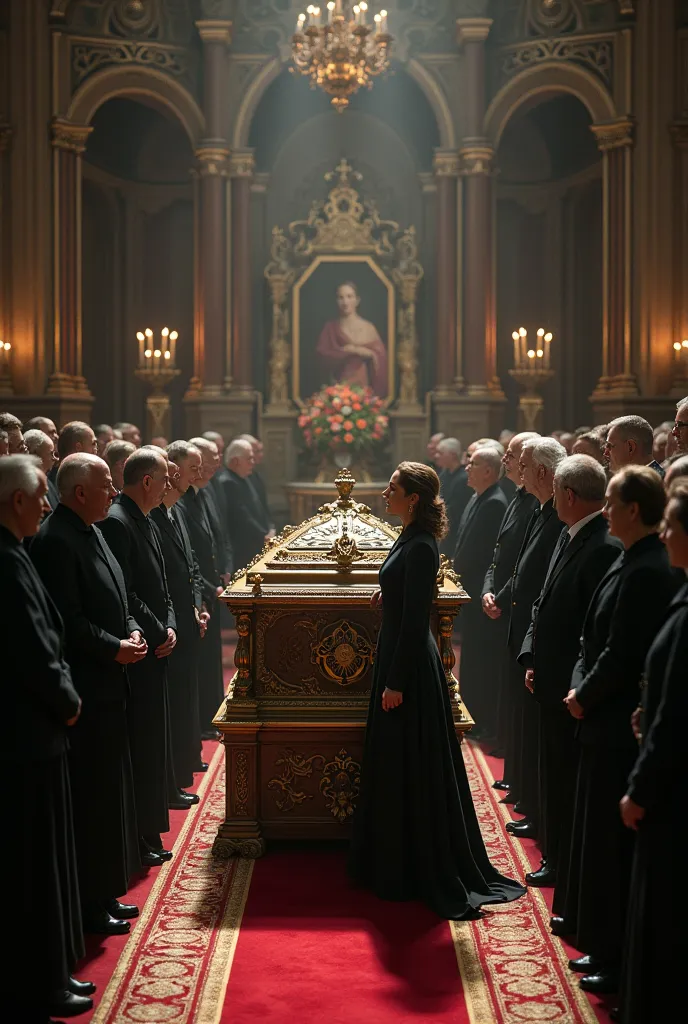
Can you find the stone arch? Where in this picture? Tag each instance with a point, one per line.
(421, 76)
(145, 84)
(543, 81)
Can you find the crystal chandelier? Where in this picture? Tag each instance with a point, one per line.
(341, 52)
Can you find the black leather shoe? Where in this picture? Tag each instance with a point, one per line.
(203, 767)
(191, 798)
(509, 799)
(81, 988)
(178, 804)
(603, 982)
(542, 878)
(500, 784)
(150, 859)
(558, 926)
(104, 924)
(67, 1004)
(585, 965)
(520, 809)
(615, 1014)
(122, 910)
(523, 830)
(210, 734)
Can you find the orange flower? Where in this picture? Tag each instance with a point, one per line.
(318, 430)
(356, 406)
(348, 425)
(361, 424)
(348, 438)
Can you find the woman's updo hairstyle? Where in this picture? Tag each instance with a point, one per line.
(431, 514)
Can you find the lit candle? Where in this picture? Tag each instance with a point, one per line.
(516, 338)
(523, 335)
(5, 348)
(299, 23)
(378, 22)
(383, 21)
(316, 16)
(548, 341)
(165, 339)
(173, 348)
(141, 339)
(363, 6)
(330, 12)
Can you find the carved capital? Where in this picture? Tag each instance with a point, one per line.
(476, 158)
(215, 31)
(679, 133)
(472, 30)
(68, 136)
(212, 160)
(5, 137)
(446, 163)
(242, 164)
(614, 134)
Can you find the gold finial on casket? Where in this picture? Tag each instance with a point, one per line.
(344, 482)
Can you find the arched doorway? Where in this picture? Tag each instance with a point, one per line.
(138, 250)
(549, 238)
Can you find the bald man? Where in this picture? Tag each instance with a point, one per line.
(102, 638)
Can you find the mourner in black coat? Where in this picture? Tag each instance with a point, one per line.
(247, 528)
(479, 666)
(101, 638)
(416, 835)
(625, 614)
(497, 584)
(652, 978)
(550, 650)
(132, 538)
(184, 582)
(40, 702)
(455, 490)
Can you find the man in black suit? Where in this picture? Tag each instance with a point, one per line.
(538, 462)
(256, 479)
(550, 650)
(39, 444)
(475, 543)
(214, 505)
(85, 581)
(184, 582)
(630, 440)
(204, 541)
(116, 454)
(133, 541)
(40, 705)
(496, 597)
(625, 614)
(455, 491)
(248, 529)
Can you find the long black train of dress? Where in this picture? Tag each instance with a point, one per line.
(416, 834)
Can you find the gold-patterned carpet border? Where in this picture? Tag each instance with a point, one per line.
(175, 967)
(513, 970)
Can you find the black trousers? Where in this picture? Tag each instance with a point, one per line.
(525, 772)
(558, 771)
(479, 668)
(599, 872)
(210, 678)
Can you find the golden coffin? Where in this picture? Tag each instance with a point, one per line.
(293, 722)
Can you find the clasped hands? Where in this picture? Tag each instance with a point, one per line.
(490, 606)
(132, 650)
(571, 702)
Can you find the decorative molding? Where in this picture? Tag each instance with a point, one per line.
(614, 135)
(90, 55)
(68, 136)
(212, 161)
(215, 31)
(242, 164)
(477, 158)
(472, 30)
(554, 16)
(595, 53)
(446, 163)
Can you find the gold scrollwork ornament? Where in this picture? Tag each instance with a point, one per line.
(340, 785)
(343, 655)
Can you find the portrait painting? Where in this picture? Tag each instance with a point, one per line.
(343, 327)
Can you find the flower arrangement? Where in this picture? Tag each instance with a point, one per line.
(344, 418)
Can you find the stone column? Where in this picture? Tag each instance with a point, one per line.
(69, 142)
(242, 167)
(679, 132)
(212, 155)
(479, 349)
(446, 167)
(615, 141)
(5, 239)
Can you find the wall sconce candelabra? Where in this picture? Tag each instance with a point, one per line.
(531, 372)
(157, 367)
(679, 384)
(5, 369)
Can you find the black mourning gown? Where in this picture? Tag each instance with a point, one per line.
(415, 832)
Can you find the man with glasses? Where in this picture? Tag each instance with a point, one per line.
(680, 430)
(630, 440)
(15, 438)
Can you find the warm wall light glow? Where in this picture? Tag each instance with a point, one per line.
(678, 346)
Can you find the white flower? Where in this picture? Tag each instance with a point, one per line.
(346, 410)
(335, 427)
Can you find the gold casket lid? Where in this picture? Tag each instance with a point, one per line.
(336, 552)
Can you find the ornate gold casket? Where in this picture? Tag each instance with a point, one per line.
(293, 722)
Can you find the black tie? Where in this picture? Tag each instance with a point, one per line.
(558, 554)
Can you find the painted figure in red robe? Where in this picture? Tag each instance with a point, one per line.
(350, 348)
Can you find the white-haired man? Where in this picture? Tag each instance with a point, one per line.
(248, 530)
(40, 705)
(256, 479)
(41, 445)
(583, 553)
(496, 599)
(455, 490)
(475, 543)
(680, 428)
(539, 459)
(102, 638)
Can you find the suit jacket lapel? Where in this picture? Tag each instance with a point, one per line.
(113, 567)
(164, 522)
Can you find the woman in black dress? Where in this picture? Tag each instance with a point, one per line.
(416, 835)
(653, 973)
